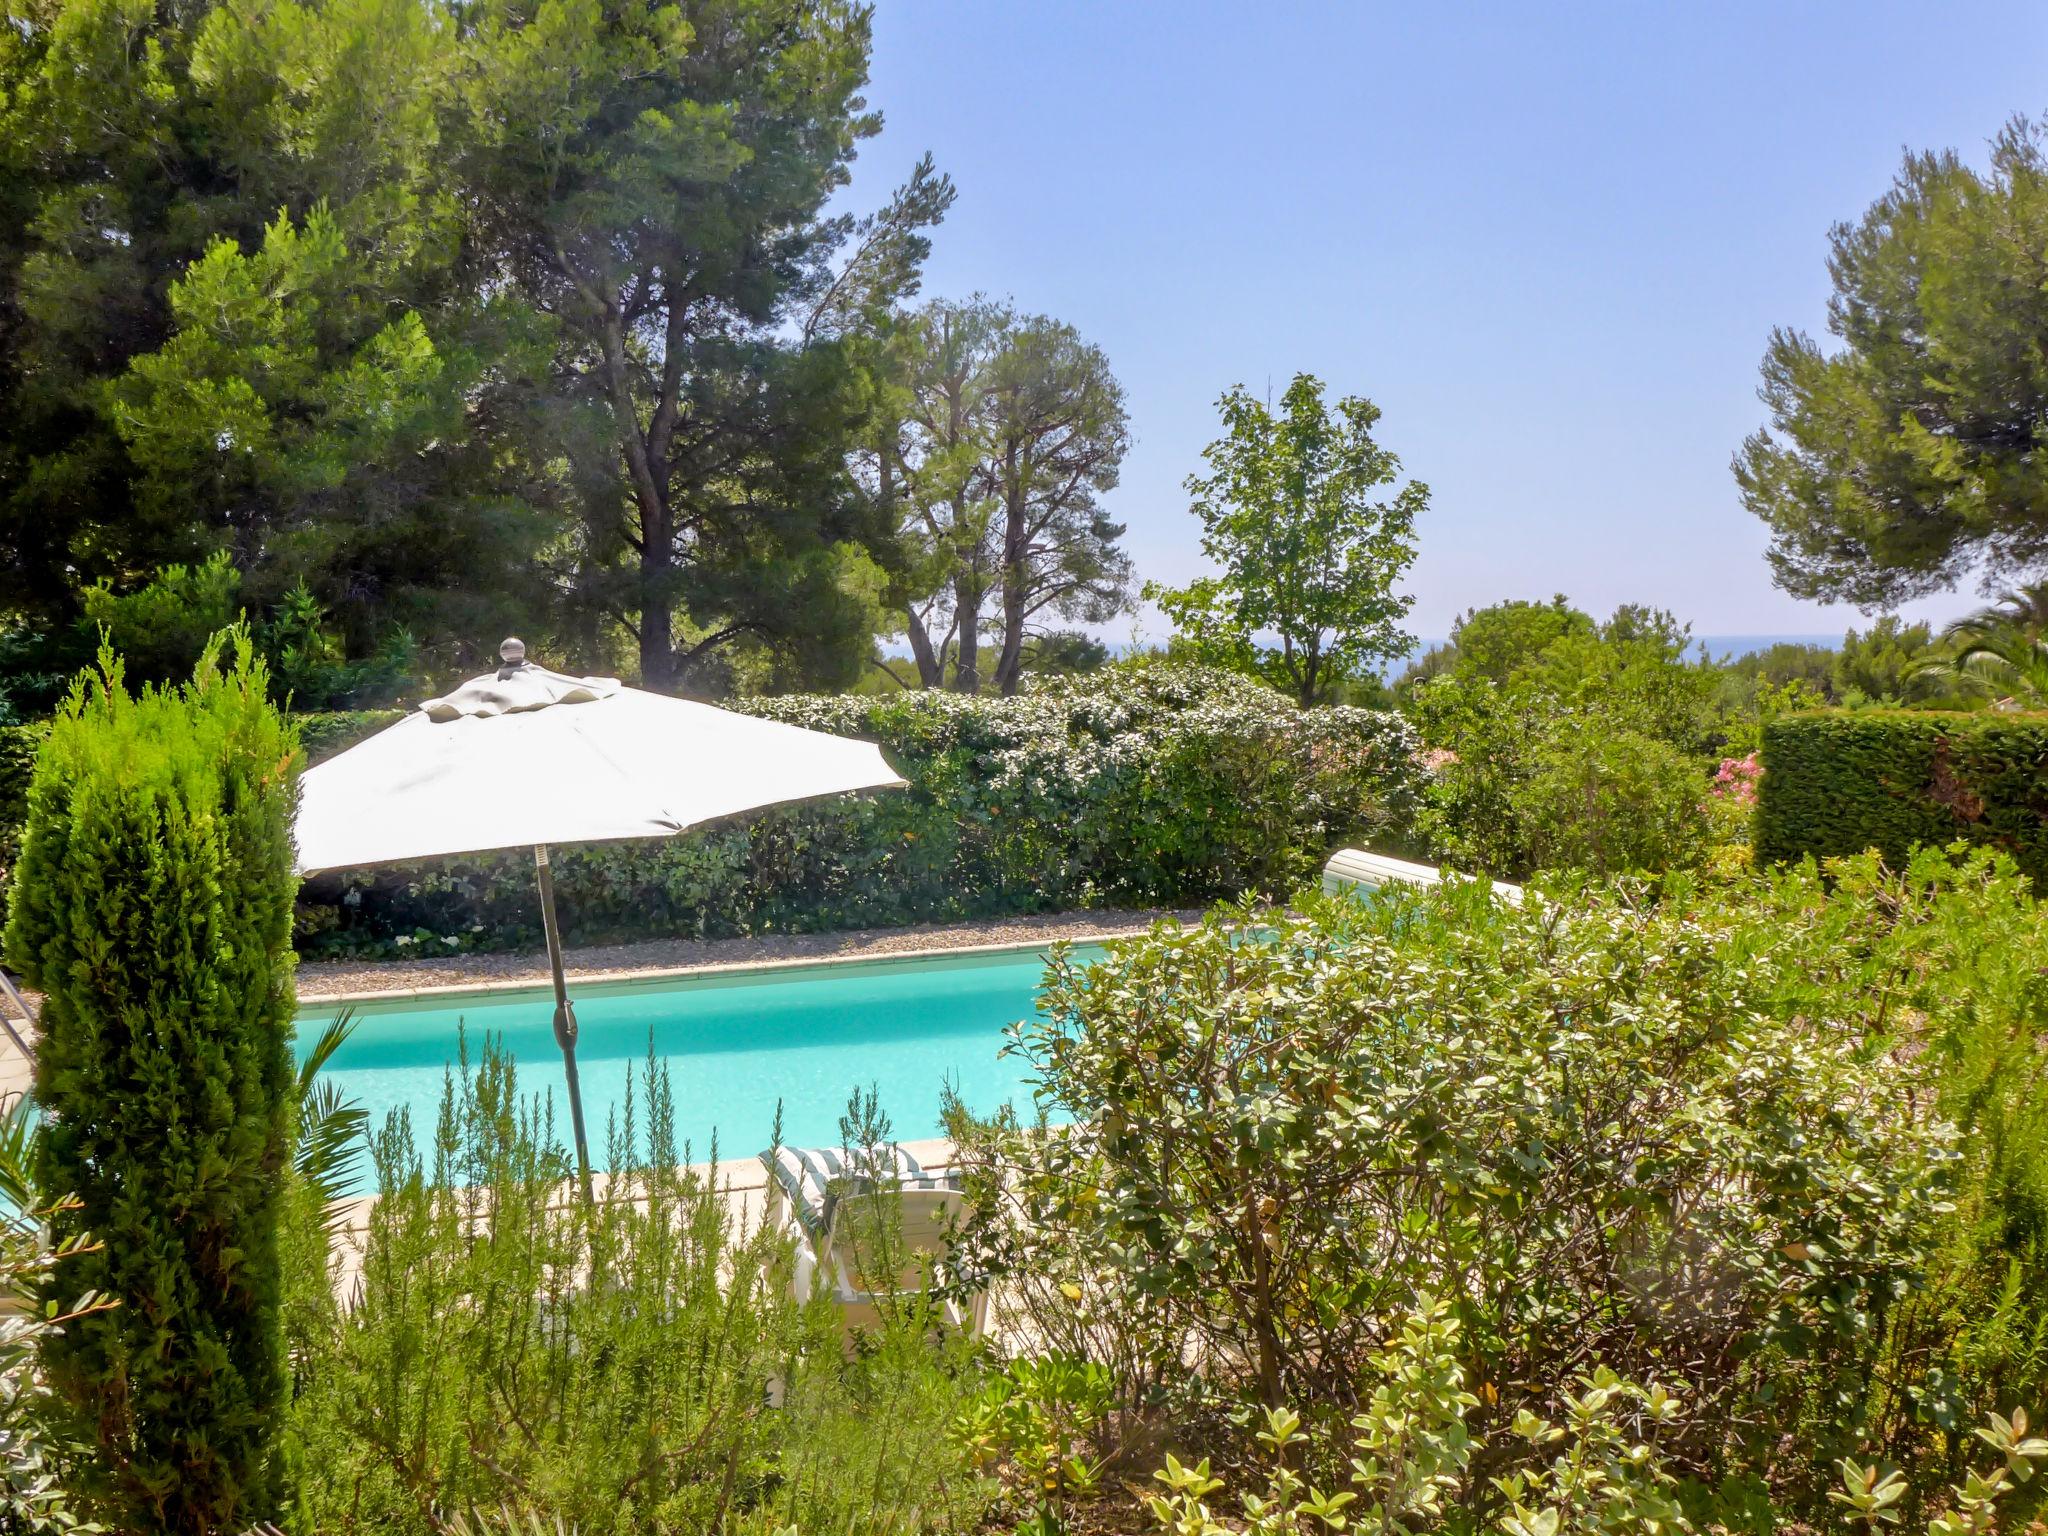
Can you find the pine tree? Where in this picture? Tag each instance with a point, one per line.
(152, 904)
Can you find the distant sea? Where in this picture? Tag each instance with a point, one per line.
(1742, 645)
(1720, 647)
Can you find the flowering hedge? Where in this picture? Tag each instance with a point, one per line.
(1134, 787)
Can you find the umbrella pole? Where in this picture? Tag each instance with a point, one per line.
(565, 1013)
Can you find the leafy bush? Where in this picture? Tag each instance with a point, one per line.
(1692, 1140)
(1602, 1471)
(152, 905)
(607, 1366)
(329, 733)
(1843, 782)
(1131, 786)
(1611, 802)
(160, 630)
(1556, 743)
(1281, 1143)
(33, 1496)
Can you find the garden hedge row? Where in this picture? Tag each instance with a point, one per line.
(1844, 781)
(1135, 787)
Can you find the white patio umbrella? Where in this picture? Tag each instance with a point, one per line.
(528, 757)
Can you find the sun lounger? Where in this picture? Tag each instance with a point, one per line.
(850, 1245)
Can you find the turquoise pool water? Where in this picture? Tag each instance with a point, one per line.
(734, 1044)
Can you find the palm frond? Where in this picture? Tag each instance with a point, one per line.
(18, 1127)
(1992, 656)
(332, 1130)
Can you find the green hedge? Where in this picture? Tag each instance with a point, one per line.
(1137, 787)
(1843, 781)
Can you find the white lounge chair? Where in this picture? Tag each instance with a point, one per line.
(821, 1198)
(1360, 869)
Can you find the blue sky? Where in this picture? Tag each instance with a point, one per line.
(1549, 241)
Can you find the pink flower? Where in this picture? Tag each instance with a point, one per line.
(1737, 777)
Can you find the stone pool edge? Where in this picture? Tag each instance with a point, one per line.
(653, 975)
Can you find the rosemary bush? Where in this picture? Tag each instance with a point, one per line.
(609, 1366)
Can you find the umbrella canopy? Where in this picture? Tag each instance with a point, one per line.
(528, 756)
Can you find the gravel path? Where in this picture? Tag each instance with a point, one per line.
(328, 979)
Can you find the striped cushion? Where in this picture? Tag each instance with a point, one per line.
(813, 1180)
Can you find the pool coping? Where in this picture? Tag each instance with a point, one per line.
(655, 975)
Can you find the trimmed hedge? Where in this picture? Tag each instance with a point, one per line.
(1135, 787)
(1844, 781)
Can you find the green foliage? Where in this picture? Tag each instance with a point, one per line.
(1044, 1416)
(1905, 456)
(1776, 1146)
(33, 1494)
(1561, 1105)
(233, 254)
(606, 1366)
(654, 181)
(1063, 653)
(1996, 653)
(1610, 801)
(1880, 666)
(1005, 431)
(152, 905)
(1497, 641)
(1841, 782)
(1560, 743)
(324, 735)
(1606, 1472)
(160, 630)
(1307, 554)
(1141, 786)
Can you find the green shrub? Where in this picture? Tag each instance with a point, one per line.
(1559, 745)
(1607, 1132)
(605, 1366)
(325, 734)
(1611, 801)
(18, 747)
(1952, 951)
(1842, 782)
(152, 904)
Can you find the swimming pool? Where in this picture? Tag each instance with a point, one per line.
(735, 1044)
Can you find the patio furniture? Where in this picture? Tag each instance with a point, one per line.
(1360, 869)
(850, 1245)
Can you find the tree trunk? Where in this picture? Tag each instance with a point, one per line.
(1010, 664)
(1016, 578)
(967, 615)
(650, 499)
(931, 672)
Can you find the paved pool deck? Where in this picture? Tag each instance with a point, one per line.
(338, 980)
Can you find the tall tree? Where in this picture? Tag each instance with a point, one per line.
(1058, 434)
(1913, 451)
(1308, 554)
(655, 178)
(931, 467)
(238, 313)
(1009, 431)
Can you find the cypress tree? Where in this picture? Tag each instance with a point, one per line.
(152, 904)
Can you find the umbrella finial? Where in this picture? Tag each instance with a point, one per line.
(513, 654)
